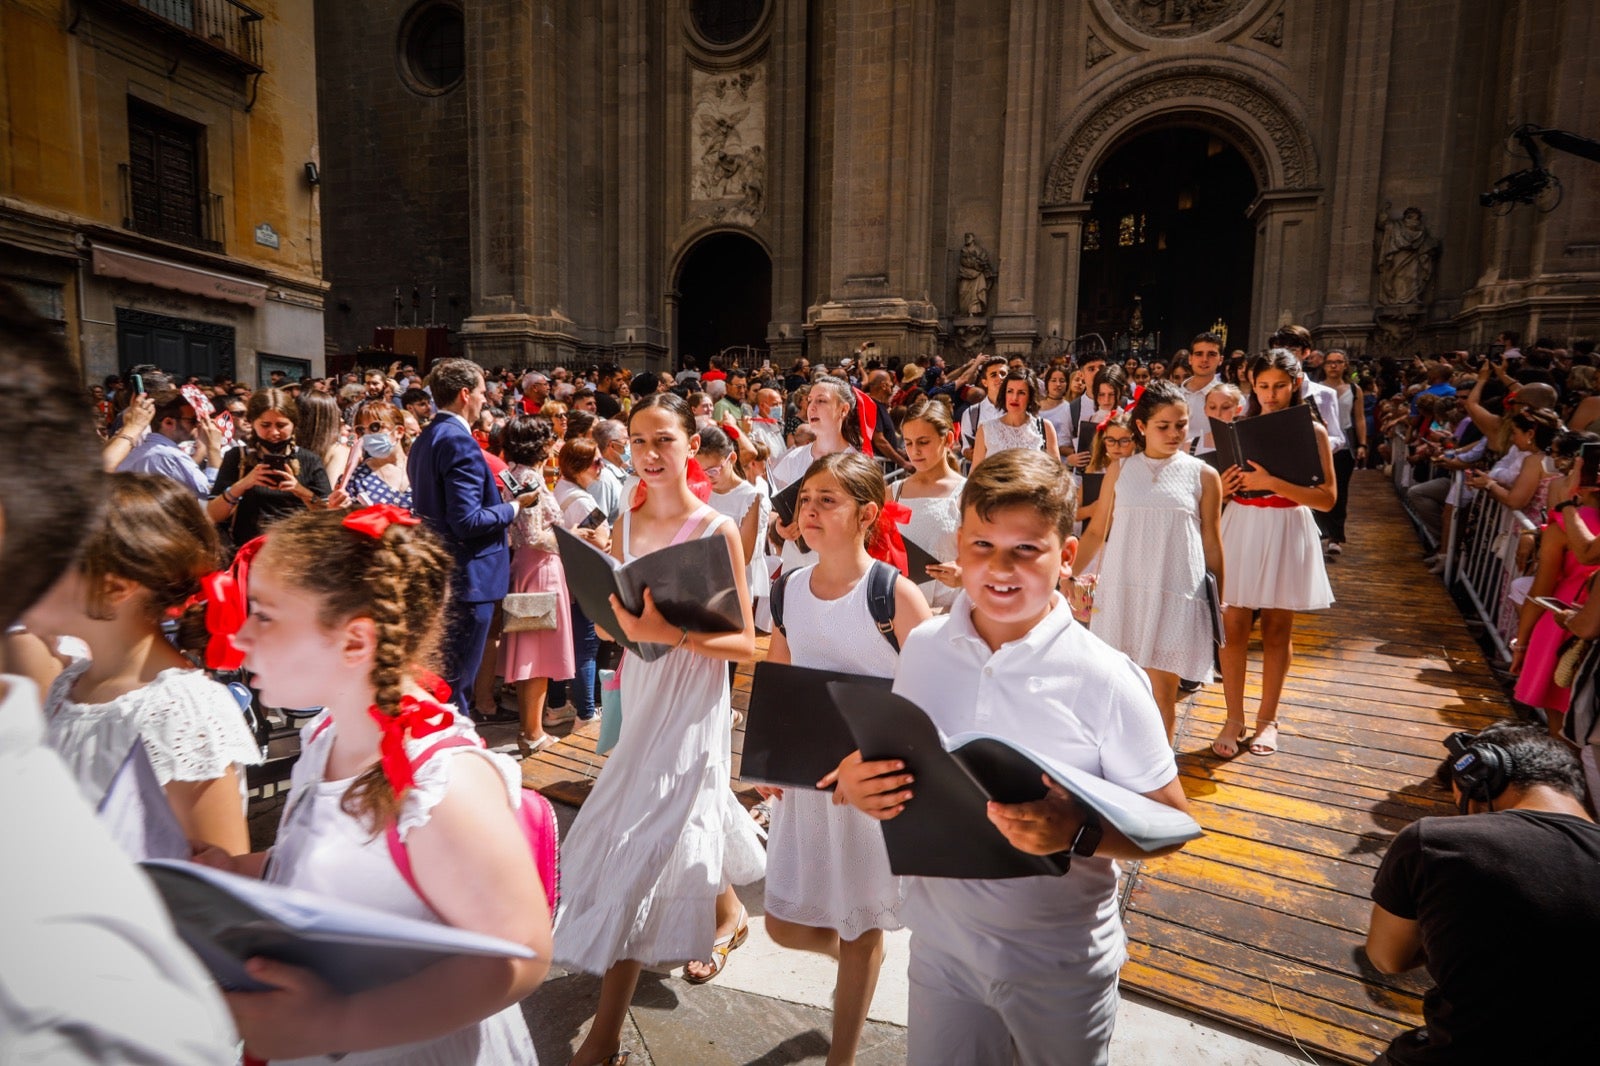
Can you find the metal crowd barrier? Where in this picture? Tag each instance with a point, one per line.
(1480, 557)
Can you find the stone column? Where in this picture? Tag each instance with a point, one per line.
(1358, 163)
(786, 177)
(878, 276)
(516, 170)
(1285, 284)
(1061, 230)
(641, 339)
(1014, 324)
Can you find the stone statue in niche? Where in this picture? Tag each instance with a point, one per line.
(976, 272)
(1405, 254)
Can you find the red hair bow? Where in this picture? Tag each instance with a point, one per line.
(227, 596)
(886, 543)
(374, 521)
(417, 718)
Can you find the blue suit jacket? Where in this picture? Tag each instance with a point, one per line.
(454, 492)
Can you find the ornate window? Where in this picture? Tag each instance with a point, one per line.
(724, 22)
(1125, 232)
(433, 53)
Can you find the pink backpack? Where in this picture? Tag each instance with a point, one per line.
(535, 814)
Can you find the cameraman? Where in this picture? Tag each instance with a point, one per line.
(1497, 905)
(272, 477)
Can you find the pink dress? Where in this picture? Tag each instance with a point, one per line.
(538, 652)
(1535, 685)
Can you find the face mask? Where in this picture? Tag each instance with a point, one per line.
(378, 445)
(775, 412)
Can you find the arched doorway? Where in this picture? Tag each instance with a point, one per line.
(1167, 232)
(724, 296)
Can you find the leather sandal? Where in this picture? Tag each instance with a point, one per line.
(720, 949)
(527, 748)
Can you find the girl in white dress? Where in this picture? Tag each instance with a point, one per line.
(831, 417)
(1020, 426)
(829, 888)
(661, 840)
(1161, 535)
(933, 495)
(732, 495)
(147, 554)
(343, 609)
(1274, 562)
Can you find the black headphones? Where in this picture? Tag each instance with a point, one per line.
(1480, 769)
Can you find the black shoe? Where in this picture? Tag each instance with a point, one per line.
(1185, 685)
(497, 718)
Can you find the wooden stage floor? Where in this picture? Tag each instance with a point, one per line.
(1260, 922)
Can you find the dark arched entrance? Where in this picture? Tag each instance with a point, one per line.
(1168, 225)
(724, 296)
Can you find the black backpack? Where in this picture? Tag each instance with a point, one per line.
(880, 599)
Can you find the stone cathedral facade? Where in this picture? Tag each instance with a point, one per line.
(647, 179)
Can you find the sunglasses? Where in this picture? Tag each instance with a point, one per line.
(374, 427)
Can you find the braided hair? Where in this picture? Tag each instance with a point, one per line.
(400, 580)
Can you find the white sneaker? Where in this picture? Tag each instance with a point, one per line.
(1335, 548)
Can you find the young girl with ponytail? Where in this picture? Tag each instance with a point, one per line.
(345, 613)
(933, 495)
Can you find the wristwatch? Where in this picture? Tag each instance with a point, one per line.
(1088, 836)
(1565, 503)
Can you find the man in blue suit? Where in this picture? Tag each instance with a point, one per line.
(454, 492)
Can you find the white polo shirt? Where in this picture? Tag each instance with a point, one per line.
(1199, 425)
(1069, 696)
(1327, 402)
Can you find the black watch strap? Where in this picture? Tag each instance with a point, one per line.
(1565, 503)
(1087, 840)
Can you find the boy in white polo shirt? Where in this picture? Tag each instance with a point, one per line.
(1021, 970)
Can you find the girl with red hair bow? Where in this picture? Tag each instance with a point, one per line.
(345, 612)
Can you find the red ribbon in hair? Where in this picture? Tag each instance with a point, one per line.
(227, 598)
(1134, 399)
(887, 544)
(416, 718)
(694, 473)
(374, 521)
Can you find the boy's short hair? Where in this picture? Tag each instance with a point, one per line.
(1026, 478)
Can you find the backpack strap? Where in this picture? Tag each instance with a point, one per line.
(775, 601)
(881, 580)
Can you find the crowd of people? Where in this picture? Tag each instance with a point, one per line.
(384, 548)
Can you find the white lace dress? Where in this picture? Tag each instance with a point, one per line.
(935, 526)
(736, 503)
(826, 865)
(1000, 437)
(322, 849)
(1150, 603)
(192, 729)
(662, 833)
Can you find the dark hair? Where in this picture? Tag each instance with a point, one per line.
(1026, 478)
(1027, 378)
(169, 403)
(1275, 359)
(1513, 337)
(317, 423)
(859, 477)
(398, 580)
(579, 423)
(153, 532)
(1537, 758)
(414, 395)
(675, 405)
(450, 376)
(45, 508)
(1544, 423)
(1290, 337)
(264, 400)
(1157, 394)
(1207, 337)
(527, 440)
(1113, 375)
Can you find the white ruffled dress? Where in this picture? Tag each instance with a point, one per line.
(192, 729)
(322, 849)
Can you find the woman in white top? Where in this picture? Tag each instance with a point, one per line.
(147, 555)
(933, 495)
(1020, 426)
(580, 469)
(831, 417)
(1055, 407)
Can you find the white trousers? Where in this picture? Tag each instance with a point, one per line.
(960, 1017)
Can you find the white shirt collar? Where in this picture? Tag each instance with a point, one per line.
(960, 629)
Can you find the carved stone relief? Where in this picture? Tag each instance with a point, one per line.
(1094, 50)
(728, 128)
(1285, 133)
(1271, 31)
(1175, 18)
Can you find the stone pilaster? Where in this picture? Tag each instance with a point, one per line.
(1014, 323)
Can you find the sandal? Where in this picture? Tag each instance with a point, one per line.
(527, 748)
(1226, 746)
(720, 949)
(1260, 746)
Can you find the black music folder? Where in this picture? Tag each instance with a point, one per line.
(793, 734)
(692, 583)
(945, 831)
(918, 559)
(1089, 491)
(226, 919)
(784, 503)
(1283, 442)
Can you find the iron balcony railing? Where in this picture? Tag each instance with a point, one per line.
(223, 29)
